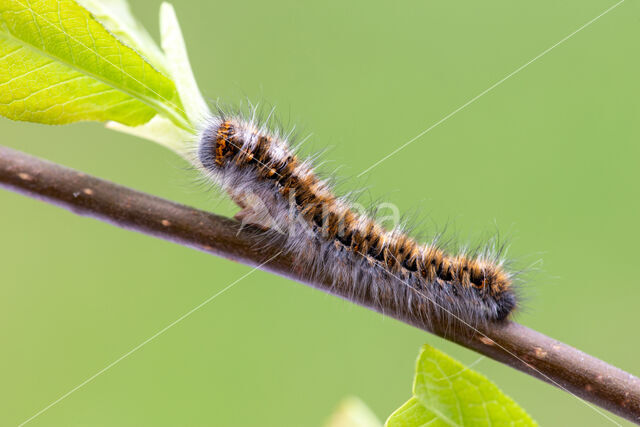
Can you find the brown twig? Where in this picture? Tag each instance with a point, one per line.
(512, 344)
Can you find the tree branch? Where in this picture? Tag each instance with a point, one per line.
(512, 344)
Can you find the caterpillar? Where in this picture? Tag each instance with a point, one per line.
(325, 234)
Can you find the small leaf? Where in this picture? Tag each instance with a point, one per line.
(159, 130)
(58, 65)
(117, 18)
(352, 412)
(454, 395)
(180, 66)
(413, 413)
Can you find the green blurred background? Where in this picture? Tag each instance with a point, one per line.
(550, 158)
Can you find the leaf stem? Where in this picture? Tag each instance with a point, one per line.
(515, 345)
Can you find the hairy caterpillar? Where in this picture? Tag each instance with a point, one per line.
(325, 234)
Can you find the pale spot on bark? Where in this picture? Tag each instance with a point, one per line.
(540, 353)
(487, 341)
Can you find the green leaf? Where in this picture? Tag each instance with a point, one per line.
(445, 392)
(180, 66)
(161, 131)
(413, 413)
(352, 412)
(117, 18)
(59, 65)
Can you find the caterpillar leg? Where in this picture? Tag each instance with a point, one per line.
(254, 212)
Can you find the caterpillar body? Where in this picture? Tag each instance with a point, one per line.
(325, 234)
